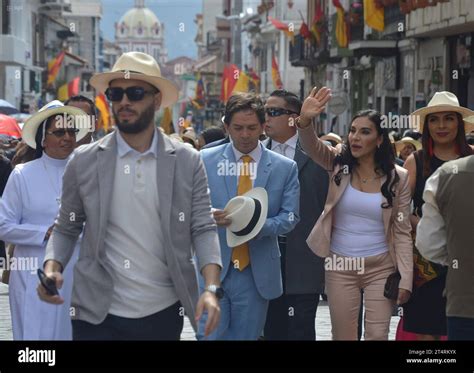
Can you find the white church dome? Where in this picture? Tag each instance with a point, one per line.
(139, 22)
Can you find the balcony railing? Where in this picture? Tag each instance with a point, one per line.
(305, 53)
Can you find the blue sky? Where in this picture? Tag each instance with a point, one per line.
(169, 12)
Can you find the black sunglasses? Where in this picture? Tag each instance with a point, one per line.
(133, 93)
(62, 132)
(276, 112)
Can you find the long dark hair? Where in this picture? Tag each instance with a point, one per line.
(460, 142)
(384, 158)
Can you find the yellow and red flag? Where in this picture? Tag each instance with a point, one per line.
(316, 27)
(242, 84)
(69, 89)
(254, 80)
(230, 75)
(374, 15)
(341, 25)
(279, 25)
(53, 67)
(103, 107)
(277, 83)
(167, 121)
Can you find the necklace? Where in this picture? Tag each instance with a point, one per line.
(366, 180)
(58, 193)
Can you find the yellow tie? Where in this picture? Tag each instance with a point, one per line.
(240, 254)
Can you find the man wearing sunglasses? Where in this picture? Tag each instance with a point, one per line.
(302, 271)
(145, 203)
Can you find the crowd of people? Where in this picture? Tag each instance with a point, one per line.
(242, 227)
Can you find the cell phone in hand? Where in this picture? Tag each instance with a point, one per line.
(48, 283)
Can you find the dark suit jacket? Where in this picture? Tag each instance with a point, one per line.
(305, 271)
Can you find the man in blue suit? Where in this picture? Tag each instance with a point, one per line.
(249, 284)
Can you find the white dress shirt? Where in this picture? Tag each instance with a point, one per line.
(134, 240)
(288, 149)
(256, 154)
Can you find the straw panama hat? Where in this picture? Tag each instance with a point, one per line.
(400, 144)
(55, 107)
(140, 66)
(191, 135)
(332, 137)
(444, 101)
(248, 213)
(470, 122)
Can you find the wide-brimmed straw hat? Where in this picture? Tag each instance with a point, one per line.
(248, 213)
(470, 122)
(81, 121)
(444, 101)
(399, 145)
(140, 66)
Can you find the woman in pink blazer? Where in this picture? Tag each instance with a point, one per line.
(364, 230)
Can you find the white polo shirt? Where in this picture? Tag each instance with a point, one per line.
(134, 239)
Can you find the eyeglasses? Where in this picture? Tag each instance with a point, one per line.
(276, 112)
(133, 93)
(62, 132)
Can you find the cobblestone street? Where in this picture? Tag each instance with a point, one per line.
(323, 323)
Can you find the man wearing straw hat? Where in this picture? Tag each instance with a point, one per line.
(145, 203)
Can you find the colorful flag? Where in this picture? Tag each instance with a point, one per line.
(199, 94)
(279, 25)
(103, 108)
(167, 121)
(53, 67)
(69, 89)
(242, 84)
(316, 26)
(341, 25)
(277, 83)
(374, 15)
(230, 75)
(254, 80)
(304, 31)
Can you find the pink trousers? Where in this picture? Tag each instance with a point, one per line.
(343, 286)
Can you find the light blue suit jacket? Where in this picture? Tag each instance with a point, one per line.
(279, 176)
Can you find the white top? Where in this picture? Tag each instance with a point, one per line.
(288, 149)
(134, 240)
(256, 154)
(431, 235)
(358, 229)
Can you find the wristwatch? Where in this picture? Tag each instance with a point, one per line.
(217, 291)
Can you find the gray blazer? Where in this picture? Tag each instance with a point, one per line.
(186, 221)
(304, 271)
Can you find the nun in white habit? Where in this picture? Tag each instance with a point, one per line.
(28, 209)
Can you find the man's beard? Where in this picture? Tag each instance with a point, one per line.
(142, 123)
